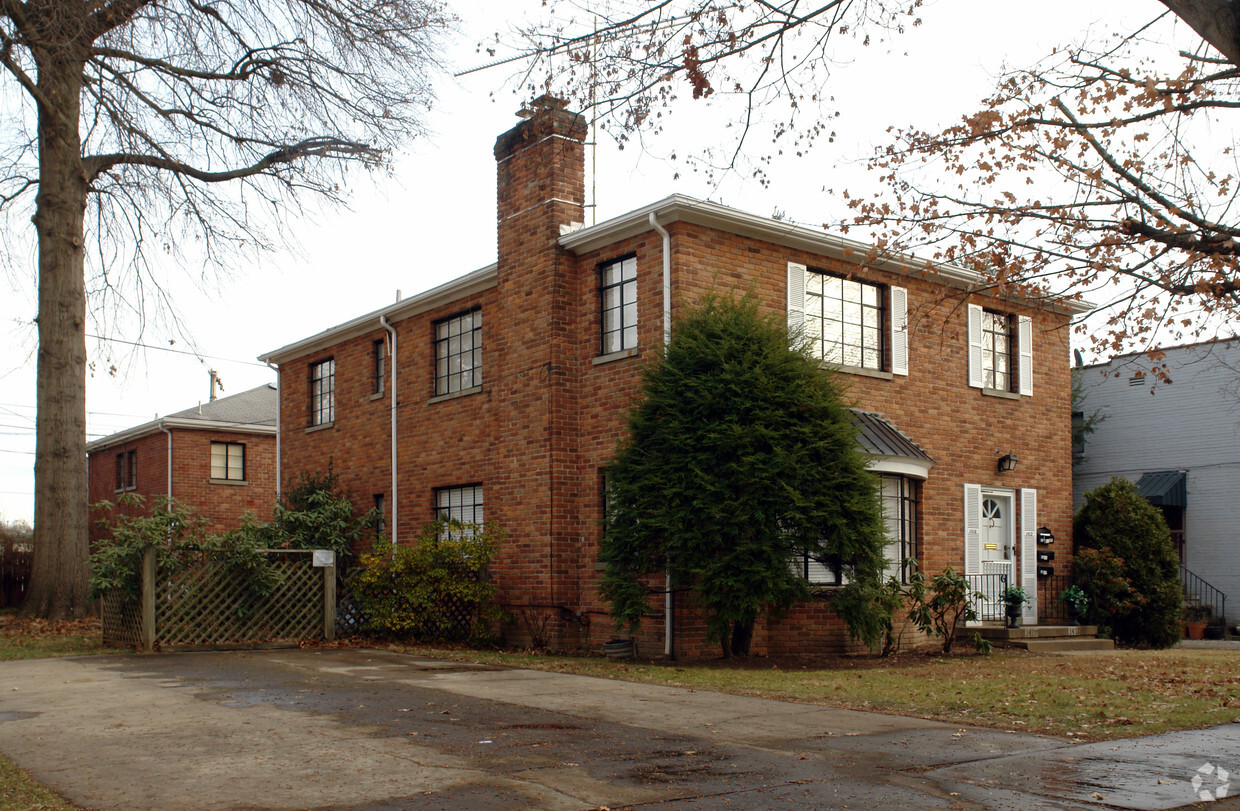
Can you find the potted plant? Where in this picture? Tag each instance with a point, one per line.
(1076, 599)
(1013, 598)
(1196, 618)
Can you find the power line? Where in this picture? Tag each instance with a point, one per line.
(23, 453)
(197, 355)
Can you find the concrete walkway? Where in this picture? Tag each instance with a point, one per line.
(365, 729)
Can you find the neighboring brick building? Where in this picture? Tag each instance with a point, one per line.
(510, 385)
(218, 457)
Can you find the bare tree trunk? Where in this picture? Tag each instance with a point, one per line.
(1217, 21)
(59, 584)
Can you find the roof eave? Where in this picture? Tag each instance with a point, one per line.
(460, 287)
(155, 426)
(679, 208)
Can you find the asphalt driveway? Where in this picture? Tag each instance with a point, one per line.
(363, 729)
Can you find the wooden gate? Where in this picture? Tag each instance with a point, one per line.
(207, 604)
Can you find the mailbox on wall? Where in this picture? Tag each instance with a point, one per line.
(1045, 556)
(1045, 536)
(1046, 571)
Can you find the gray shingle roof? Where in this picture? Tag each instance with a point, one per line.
(254, 407)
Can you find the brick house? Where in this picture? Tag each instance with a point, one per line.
(218, 457)
(510, 383)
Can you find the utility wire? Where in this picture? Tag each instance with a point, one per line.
(198, 355)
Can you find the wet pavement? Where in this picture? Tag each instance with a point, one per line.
(359, 729)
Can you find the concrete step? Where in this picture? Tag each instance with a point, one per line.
(1004, 634)
(1061, 645)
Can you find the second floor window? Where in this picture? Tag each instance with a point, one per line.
(1000, 351)
(126, 470)
(458, 352)
(228, 461)
(844, 320)
(379, 360)
(323, 392)
(618, 302)
(996, 351)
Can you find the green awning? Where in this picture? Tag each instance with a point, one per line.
(1167, 488)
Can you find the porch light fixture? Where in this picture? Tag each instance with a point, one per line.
(1007, 462)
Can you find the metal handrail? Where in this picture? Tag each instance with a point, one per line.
(989, 586)
(1197, 591)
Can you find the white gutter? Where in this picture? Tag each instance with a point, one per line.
(169, 433)
(391, 331)
(279, 377)
(668, 605)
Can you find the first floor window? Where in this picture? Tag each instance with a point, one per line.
(898, 495)
(228, 461)
(323, 392)
(126, 470)
(463, 503)
(458, 352)
(380, 514)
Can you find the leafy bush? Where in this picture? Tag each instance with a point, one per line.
(424, 590)
(316, 515)
(180, 538)
(1101, 576)
(942, 607)
(1116, 518)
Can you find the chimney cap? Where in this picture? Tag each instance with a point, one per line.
(544, 102)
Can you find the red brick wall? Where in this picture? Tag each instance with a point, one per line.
(549, 417)
(222, 504)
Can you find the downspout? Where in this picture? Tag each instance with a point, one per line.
(279, 376)
(169, 433)
(668, 604)
(391, 331)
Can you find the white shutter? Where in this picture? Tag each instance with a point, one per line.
(796, 299)
(975, 346)
(972, 528)
(1024, 336)
(899, 331)
(1029, 553)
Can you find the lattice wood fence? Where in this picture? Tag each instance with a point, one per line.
(207, 603)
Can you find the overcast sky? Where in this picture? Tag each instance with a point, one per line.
(433, 219)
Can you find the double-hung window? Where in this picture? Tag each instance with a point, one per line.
(1000, 351)
(847, 322)
(458, 352)
(228, 461)
(126, 470)
(618, 305)
(323, 392)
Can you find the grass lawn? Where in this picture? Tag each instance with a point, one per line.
(37, 639)
(1083, 696)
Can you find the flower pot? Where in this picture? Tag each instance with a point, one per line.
(1196, 630)
(1013, 615)
(1074, 614)
(1215, 632)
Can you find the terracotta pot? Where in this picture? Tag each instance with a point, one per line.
(1196, 630)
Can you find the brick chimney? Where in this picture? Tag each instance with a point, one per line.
(541, 172)
(529, 346)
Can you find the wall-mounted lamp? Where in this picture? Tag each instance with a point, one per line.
(1007, 462)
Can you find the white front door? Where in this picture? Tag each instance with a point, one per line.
(996, 552)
